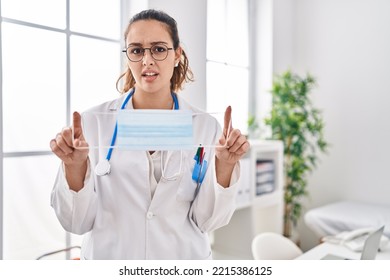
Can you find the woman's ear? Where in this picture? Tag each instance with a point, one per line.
(178, 53)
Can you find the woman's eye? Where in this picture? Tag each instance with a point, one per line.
(159, 49)
(136, 50)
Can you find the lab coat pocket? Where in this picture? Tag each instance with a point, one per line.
(187, 187)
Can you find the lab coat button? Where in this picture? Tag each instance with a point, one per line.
(149, 215)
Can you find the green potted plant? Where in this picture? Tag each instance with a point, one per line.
(299, 125)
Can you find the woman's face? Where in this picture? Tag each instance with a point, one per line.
(151, 75)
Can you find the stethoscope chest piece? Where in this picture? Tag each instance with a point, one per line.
(103, 168)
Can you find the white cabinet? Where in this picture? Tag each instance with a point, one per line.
(259, 202)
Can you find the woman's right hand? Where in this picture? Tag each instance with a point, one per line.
(73, 151)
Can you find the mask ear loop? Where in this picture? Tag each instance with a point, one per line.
(177, 174)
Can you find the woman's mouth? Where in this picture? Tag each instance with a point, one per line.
(149, 76)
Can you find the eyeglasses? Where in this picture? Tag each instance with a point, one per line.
(158, 52)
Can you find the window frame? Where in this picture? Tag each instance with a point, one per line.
(251, 66)
(123, 18)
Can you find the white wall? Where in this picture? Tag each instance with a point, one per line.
(346, 45)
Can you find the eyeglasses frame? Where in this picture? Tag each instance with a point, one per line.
(143, 53)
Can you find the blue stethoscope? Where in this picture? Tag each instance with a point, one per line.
(104, 167)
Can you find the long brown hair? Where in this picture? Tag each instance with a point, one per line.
(181, 74)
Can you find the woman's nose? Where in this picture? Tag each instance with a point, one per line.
(147, 59)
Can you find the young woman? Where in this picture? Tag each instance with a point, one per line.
(147, 205)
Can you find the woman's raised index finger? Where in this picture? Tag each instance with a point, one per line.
(77, 130)
(227, 127)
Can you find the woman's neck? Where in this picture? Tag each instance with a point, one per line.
(155, 100)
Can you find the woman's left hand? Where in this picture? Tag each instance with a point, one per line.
(233, 144)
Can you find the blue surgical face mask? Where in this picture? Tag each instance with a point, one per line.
(154, 130)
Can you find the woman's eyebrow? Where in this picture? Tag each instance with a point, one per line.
(135, 44)
(151, 43)
(159, 42)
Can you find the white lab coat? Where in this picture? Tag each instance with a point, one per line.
(120, 217)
